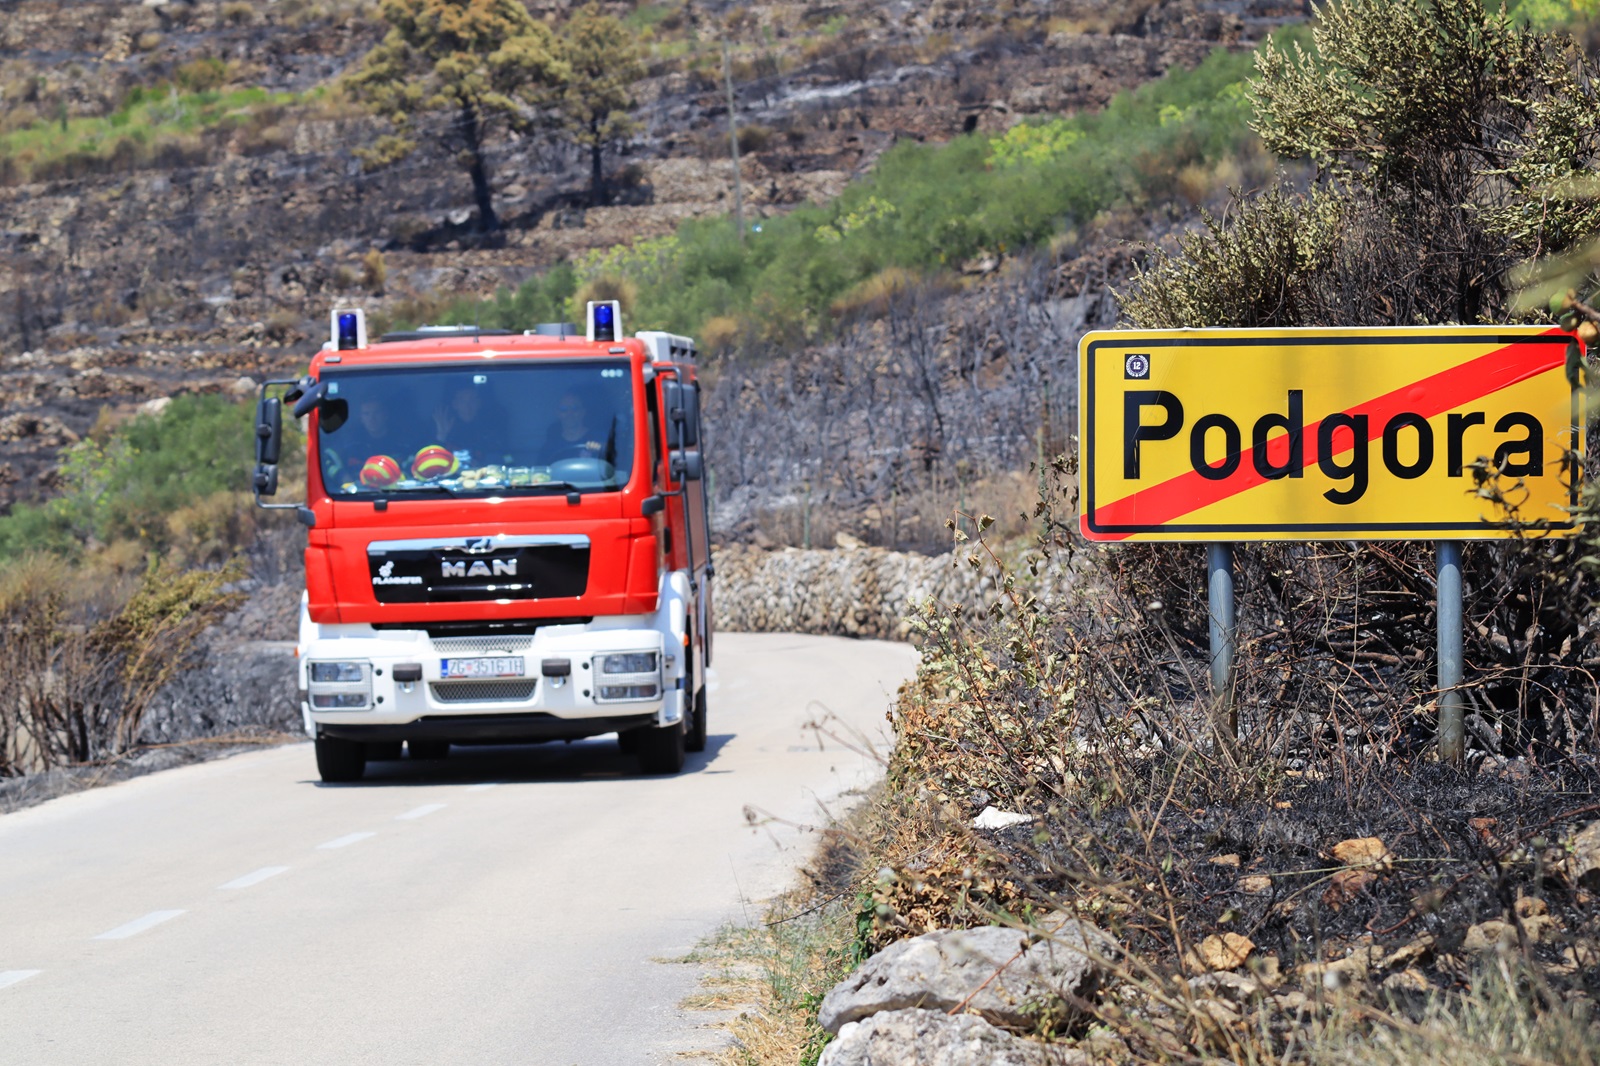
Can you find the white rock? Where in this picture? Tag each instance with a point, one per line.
(1004, 975)
(992, 817)
(933, 1038)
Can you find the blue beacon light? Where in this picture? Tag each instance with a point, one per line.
(348, 335)
(605, 327)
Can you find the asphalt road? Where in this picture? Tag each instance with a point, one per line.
(507, 905)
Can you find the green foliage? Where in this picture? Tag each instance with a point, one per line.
(1253, 272)
(1392, 89)
(479, 65)
(1550, 15)
(603, 60)
(928, 208)
(131, 486)
(543, 298)
(1453, 142)
(150, 125)
(1448, 104)
(1034, 144)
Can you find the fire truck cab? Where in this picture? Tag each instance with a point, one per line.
(507, 540)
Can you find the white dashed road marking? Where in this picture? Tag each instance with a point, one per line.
(139, 925)
(12, 977)
(254, 878)
(420, 812)
(347, 839)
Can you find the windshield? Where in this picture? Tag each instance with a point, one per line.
(500, 430)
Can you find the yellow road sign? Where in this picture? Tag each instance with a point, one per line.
(1326, 434)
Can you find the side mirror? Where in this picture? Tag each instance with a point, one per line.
(688, 466)
(683, 414)
(269, 445)
(651, 505)
(691, 415)
(269, 430)
(672, 400)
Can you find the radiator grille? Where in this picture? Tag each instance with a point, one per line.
(481, 645)
(483, 691)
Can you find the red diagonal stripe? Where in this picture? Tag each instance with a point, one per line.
(1433, 395)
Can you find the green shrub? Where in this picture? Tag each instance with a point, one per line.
(543, 298)
(150, 481)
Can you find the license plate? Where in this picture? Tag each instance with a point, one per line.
(505, 666)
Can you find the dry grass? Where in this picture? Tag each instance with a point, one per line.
(776, 973)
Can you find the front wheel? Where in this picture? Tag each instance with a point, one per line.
(339, 761)
(661, 748)
(696, 740)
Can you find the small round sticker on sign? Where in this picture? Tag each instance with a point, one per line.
(1137, 367)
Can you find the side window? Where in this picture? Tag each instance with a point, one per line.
(653, 406)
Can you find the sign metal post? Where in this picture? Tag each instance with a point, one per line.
(1452, 719)
(1219, 583)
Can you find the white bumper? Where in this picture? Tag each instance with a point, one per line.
(576, 697)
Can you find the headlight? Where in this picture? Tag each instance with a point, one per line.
(628, 692)
(340, 686)
(633, 662)
(338, 673)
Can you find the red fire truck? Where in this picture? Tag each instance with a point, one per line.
(507, 540)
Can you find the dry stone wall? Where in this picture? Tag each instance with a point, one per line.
(859, 592)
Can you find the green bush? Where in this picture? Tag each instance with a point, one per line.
(129, 486)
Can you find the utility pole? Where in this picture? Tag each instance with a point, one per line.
(733, 142)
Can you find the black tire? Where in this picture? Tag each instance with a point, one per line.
(339, 761)
(628, 740)
(384, 751)
(661, 748)
(428, 749)
(696, 738)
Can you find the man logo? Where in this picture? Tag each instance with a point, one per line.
(479, 545)
(479, 568)
(1136, 367)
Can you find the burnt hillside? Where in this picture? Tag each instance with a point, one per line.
(129, 274)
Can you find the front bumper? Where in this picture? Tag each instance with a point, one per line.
(531, 706)
(521, 728)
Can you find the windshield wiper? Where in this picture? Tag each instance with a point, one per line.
(458, 493)
(446, 489)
